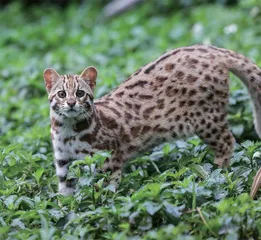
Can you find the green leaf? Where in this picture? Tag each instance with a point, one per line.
(152, 207)
(24, 200)
(199, 170)
(237, 130)
(4, 230)
(172, 210)
(18, 223)
(9, 201)
(38, 174)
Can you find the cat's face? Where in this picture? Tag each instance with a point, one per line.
(71, 95)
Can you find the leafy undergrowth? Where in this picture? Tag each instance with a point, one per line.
(173, 192)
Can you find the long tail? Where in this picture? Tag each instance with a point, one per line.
(250, 75)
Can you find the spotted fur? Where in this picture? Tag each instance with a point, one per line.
(183, 92)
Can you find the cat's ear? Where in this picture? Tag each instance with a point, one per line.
(89, 75)
(50, 78)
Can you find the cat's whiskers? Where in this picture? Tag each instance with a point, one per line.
(87, 116)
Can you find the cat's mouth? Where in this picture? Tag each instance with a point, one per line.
(71, 113)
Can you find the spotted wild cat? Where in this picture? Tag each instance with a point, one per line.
(183, 92)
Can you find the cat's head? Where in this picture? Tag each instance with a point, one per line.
(71, 95)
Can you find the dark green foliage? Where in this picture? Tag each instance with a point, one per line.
(174, 192)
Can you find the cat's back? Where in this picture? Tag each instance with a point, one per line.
(175, 72)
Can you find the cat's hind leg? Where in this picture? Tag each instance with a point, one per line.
(220, 140)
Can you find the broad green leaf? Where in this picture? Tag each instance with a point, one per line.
(38, 174)
(4, 230)
(9, 201)
(152, 207)
(199, 170)
(172, 210)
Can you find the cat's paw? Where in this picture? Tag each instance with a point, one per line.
(67, 188)
(65, 191)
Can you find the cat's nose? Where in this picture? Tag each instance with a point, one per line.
(71, 102)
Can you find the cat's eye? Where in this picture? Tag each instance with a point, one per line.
(80, 93)
(61, 94)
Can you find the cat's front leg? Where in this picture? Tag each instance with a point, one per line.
(66, 186)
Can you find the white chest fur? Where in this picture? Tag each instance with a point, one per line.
(67, 144)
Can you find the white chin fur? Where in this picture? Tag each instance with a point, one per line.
(71, 114)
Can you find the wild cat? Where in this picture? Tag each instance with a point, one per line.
(183, 92)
